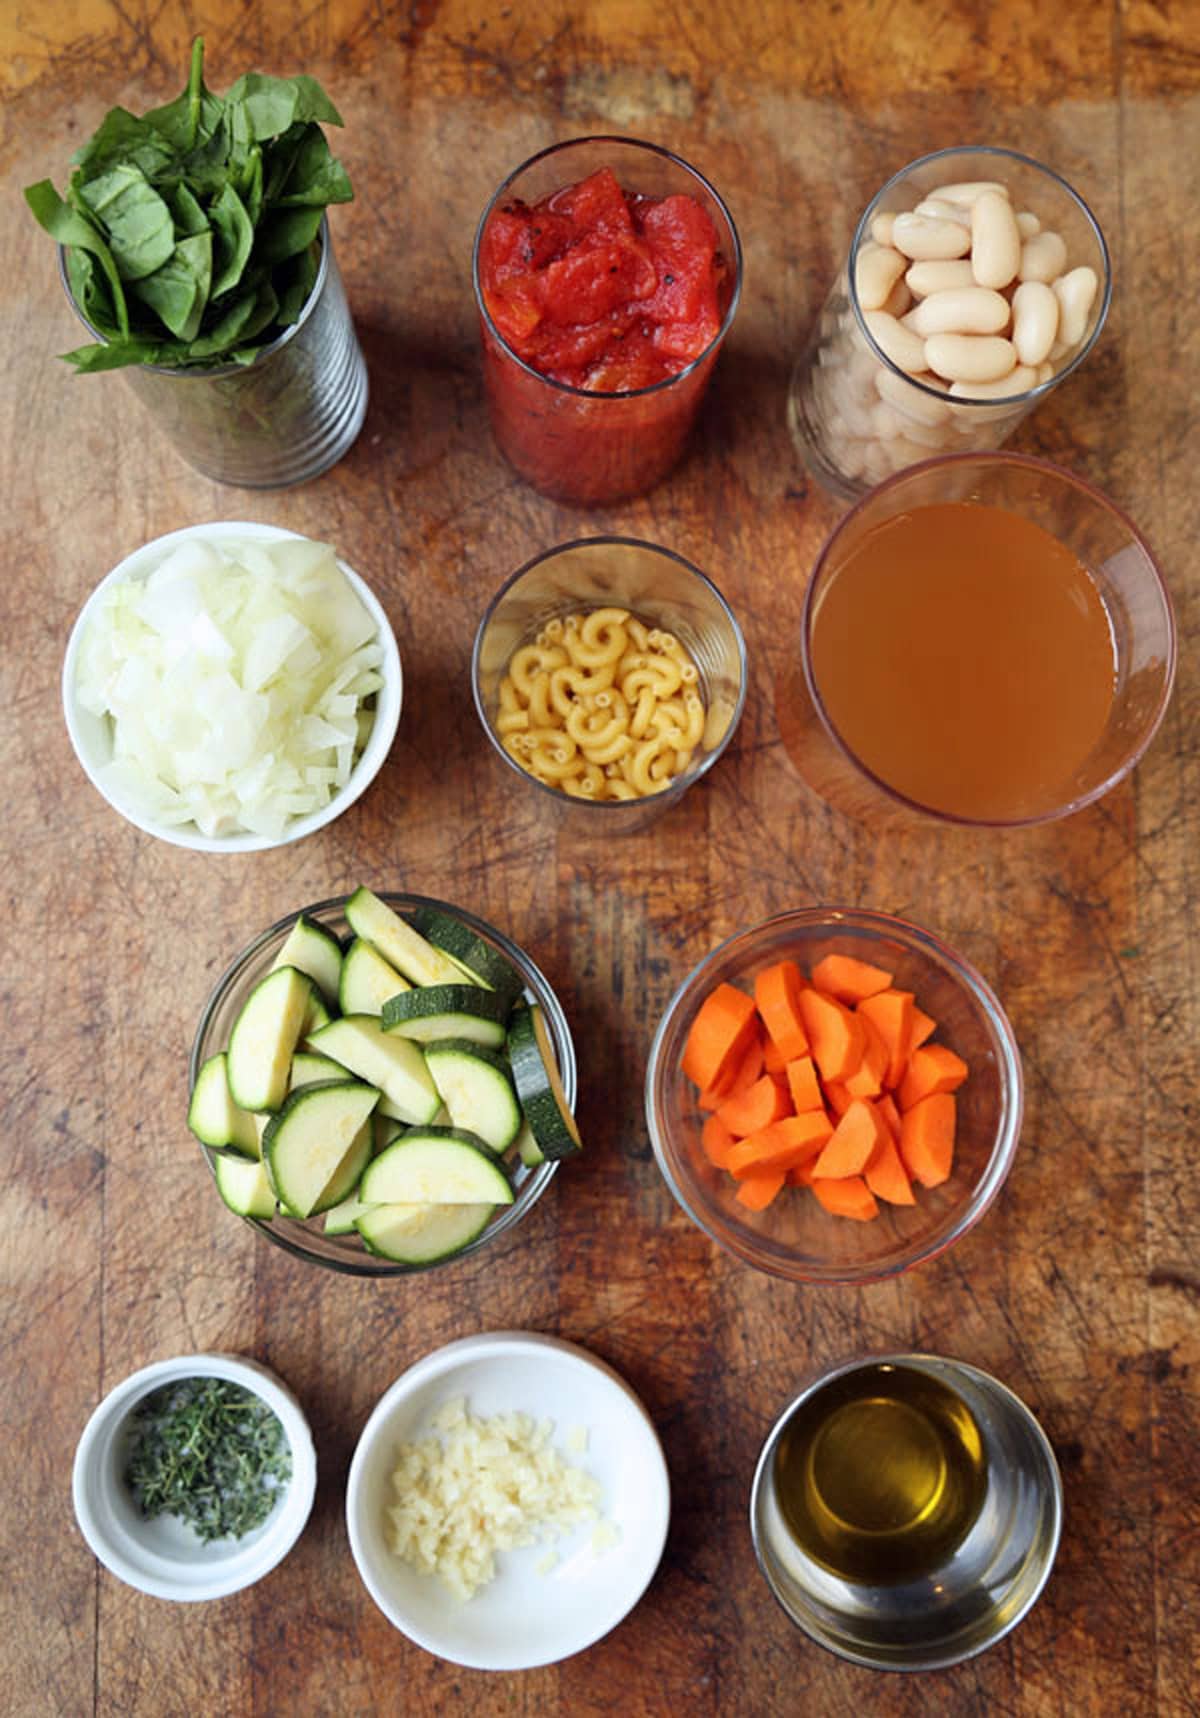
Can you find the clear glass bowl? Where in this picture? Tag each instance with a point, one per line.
(1117, 559)
(306, 1239)
(795, 1237)
(658, 586)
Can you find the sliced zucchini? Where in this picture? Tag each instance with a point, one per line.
(316, 1015)
(343, 1183)
(535, 1074)
(305, 1145)
(405, 949)
(385, 1129)
(244, 1187)
(476, 1088)
(448, 1011)
(393, 1064)
(527, 1148)
(264, 1038)
(312, 948)
(478, 959)
(421, 1234)
(308, 1069)
(342, 1218)
(367, 980)
(436, 1166)
(213, 1116)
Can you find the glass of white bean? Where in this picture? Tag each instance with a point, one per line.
(636, 664)
(977, 281)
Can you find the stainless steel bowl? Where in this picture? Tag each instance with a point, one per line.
(985, 1586)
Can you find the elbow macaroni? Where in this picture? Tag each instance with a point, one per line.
(602, 706)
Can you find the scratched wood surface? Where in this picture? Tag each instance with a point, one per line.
(1080, 1290)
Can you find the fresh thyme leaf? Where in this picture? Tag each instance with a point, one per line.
(209, 1452)
(208, 210)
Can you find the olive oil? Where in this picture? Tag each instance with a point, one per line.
(880, 1473)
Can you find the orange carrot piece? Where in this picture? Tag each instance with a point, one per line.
(777, 992)
(781, 1145)
(853, 1140)
(848, 1197)
(757, 1191)
(891, 1013)
(717, 1140)
(927, 1138)
(800, 1174)
(867, 1079)
(804, 1085)
(834, 1034)
(837, 1097)
(886, 1175)
(773, 1062)
(923, 1026)
(719, 1035)
(935, 1068)
(739, 1078)
(848, 979)
(891, 1115)
(757, 1107)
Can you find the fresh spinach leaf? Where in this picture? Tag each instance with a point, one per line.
(287, 233)
(271, 105)
(233, 238)
(68, 227)
(141, 233)
(122, 137)
(191, 120)
(295, 294)
(186, 212)
(315, 178)
(178, 291)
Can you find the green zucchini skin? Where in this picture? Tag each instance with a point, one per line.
(312, 948)
(448, 1011)
(306, 1145)
(437, 1166)
(485, 964)
(476, 1086)
(539, 1089)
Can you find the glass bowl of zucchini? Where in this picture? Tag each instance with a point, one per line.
(382, 1083)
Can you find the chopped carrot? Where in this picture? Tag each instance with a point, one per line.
(890, 1114)
(927, 1138)
(837, 1097)
(852, 1142)
(848, 1197)
(848, 979)
(867, 1079)
(780, 1145)
(931, 1069)
(923, 1026)
(891, 1013)
(777, 992)
(757, 1191)
(886, 1175)
(834, 1034)
(800, 1174)
(804, 1085)
(759, 1105)
(716, 1139)
(773, 1062)
(719, 1035)
(738, 1080)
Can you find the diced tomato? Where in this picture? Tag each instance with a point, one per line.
(594, 279)
(596, 204)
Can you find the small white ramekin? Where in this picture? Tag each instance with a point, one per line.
(159, 1555)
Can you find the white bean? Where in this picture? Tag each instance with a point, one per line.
(926, 277)
(1076, 293)
(900, 344)
(1044, 372)
(898, 300)
(885, 422)
(922, 237)
(1018, 381)
(940, 211)
(881, 228)
(995, 240)
(1035, 321)
(962, 310)
(912, 403)
(876, 271)
(1027, 224)
(1043, 257)
(970, 357)
(968, 191)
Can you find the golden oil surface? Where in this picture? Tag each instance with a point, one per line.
(881, 1473)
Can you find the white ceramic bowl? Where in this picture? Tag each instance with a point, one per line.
(525, 1617)
(91, 735)
(160, 1555)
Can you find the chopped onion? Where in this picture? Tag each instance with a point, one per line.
(234, 678)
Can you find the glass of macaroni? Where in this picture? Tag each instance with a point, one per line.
(611, 675)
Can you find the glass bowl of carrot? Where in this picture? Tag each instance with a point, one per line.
(834, 1095)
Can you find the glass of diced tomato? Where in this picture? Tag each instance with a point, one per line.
(607, 274)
